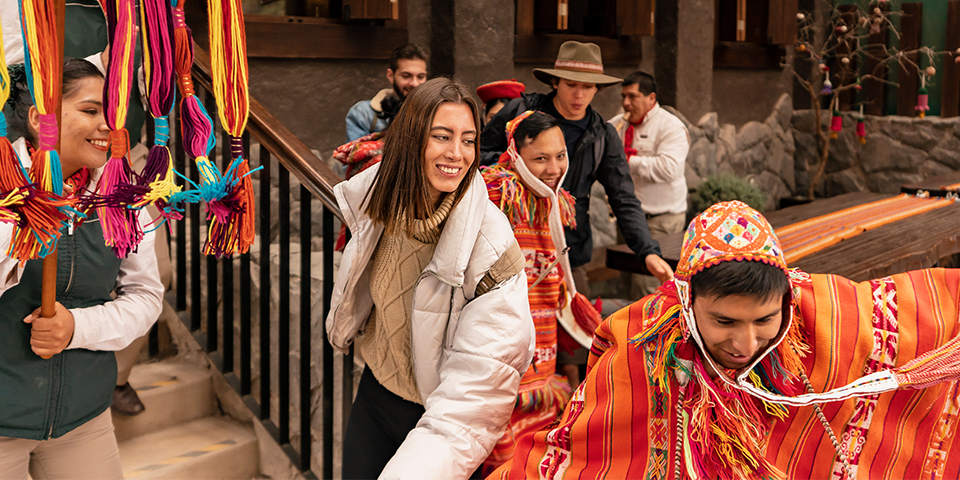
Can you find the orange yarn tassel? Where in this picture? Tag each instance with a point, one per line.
(228, 59)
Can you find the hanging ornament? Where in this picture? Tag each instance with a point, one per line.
(827, 86)
(845, 60)
(803, 48)
(922, 102)
(930, 71)
(858, 87)
(842, 29)
(836, 121)
(823, 67)
(836, 124)
(861, 128)
(800, 16)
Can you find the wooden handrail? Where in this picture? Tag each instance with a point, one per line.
(289, 150)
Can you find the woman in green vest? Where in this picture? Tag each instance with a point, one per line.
(54, 418)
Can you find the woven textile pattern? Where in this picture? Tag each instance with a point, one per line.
(543, 394)
(911, 432)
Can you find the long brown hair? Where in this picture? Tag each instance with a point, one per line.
(399, 193)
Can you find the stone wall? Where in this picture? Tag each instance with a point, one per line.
(898, 150)
(780, 155)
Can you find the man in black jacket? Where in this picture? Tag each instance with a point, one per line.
(594, 150)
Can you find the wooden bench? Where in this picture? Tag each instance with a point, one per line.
(916, 242)
(934, 186)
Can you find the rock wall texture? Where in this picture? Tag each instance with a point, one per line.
(780, 155)
(898, 150)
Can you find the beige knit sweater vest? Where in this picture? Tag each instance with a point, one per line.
(397, 264)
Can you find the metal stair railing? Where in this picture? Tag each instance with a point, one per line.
(218, 302)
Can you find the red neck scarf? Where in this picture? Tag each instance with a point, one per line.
(628, 138)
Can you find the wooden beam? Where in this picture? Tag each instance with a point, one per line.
(782, 23)
(950, 99)
(525, 11)
(911, 28)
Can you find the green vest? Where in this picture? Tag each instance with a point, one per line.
(41, 399)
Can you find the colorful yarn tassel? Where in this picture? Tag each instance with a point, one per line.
(232, 228)
(861, 131)
(43, 212)
(43, 75)
(196, 126)
(157, 26)
(118, 196)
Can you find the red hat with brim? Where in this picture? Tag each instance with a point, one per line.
(500, 89)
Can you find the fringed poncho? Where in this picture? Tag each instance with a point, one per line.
(622, 421)
(542, 394)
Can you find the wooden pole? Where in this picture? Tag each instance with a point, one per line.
(48, 293)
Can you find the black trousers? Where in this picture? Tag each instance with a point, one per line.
(379, 422)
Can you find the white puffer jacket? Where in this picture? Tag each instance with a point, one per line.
(468, 353)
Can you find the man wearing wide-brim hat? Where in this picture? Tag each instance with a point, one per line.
(594, 150)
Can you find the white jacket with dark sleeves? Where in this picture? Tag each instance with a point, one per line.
(468, 353)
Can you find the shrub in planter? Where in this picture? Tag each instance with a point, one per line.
(722, 188)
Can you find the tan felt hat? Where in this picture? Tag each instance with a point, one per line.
(579, 62)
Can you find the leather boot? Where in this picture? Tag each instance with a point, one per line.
(126, 401)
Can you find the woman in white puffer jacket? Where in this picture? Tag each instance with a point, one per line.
(431, 287)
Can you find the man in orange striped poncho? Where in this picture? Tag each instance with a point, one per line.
(741, 368)
(525, 185)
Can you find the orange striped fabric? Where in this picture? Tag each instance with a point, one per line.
(812, 235)
(543, 394)
(621, 423)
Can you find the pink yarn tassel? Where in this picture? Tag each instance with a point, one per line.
(121, 225)
(196, 128)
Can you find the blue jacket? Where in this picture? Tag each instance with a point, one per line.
(362, 119)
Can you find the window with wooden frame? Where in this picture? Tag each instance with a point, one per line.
(332, 29)
(615, 25)
(346, 10)
(749, 33)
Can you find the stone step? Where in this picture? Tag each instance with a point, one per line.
(209, 448)
(172, 393)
